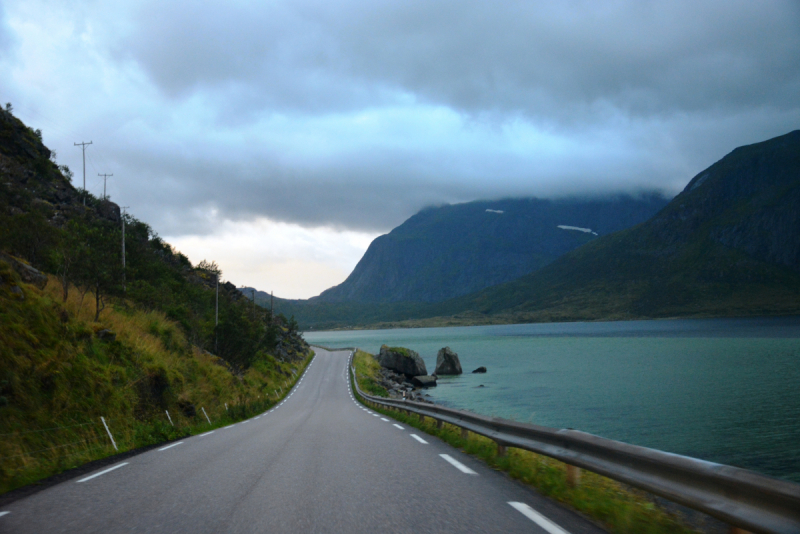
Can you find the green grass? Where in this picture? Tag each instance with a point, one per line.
(57, 379)
(618, 507)
(367, 370)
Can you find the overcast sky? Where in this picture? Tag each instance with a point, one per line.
(280, 137)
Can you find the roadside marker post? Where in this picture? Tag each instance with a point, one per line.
(103, 419)
(204, 413)
(170, 418)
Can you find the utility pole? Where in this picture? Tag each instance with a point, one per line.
(105, 176)
(124, 284)
(271, 298)
(254, 303)
(216, 317)
(83, 145)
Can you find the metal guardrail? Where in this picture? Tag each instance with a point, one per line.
(741, 498)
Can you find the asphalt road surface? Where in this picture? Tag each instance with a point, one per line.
(318, 462)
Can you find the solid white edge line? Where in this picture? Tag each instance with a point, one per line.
(416, 437)
(458, 465)
(4, 513)
(537, 518)
(398, 426)
(103, 472)
(170, 446)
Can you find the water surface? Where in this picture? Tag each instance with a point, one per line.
(724, 390)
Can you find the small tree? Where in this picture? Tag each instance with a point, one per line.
(65, 254)
(99, 266)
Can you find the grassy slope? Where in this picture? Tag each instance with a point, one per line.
(618, 507)
(57, 373)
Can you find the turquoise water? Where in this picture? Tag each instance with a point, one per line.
(724, 390)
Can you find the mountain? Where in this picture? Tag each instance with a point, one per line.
(452, 250)
(728, 244)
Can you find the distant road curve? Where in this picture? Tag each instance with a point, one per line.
(318, 462)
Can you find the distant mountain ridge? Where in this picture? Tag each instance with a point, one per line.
(727, 245)
(452, 250)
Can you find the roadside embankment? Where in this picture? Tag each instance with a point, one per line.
(69, 385)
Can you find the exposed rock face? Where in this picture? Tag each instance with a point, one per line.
(424, 381)
(28, 274)
(108, 210)
(447, 363)
(480, 370)
(402, 360)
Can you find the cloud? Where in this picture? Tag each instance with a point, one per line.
(550, 60)
(353, 115)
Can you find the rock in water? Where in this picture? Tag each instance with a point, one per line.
(424, 381)
(402, 360)
(480, 369)
(447, 363)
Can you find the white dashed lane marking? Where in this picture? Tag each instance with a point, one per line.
(170, 446)
(398, 426)
(4, 513)
(207, 433)
(416, 437)
(538, 518)
(458, 465)
(384, 419)
(123, 464)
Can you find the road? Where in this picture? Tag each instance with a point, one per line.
(317, 462)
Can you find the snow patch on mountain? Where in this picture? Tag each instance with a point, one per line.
(577, 228)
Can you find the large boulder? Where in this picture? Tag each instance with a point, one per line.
(447, 362)
(424, 381)
(402, 360)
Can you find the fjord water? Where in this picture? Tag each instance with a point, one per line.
(724, 390)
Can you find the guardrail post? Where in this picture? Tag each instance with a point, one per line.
(464, 433)
(573, 476)
(439, 424)
(421, 419)
(502, 450)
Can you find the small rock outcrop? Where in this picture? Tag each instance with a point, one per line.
(447, 363)
(480, 369)
(424, 381)
(402, 360)
(27, 273)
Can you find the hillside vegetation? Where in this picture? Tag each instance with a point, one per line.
(92, 339)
